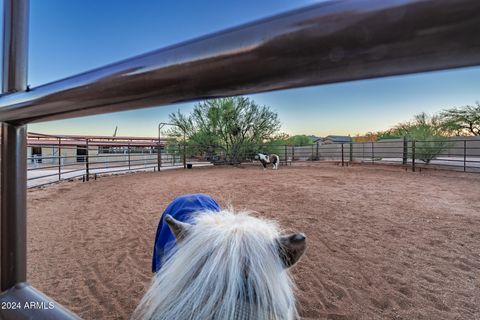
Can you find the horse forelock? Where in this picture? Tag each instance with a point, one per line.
(229, 262)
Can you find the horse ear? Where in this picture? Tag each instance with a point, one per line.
(291, 248)
(179, 229)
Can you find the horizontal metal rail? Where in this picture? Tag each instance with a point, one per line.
(324, 43)
(455, 154)
(37, 135)
(329, 42)
(50, 167)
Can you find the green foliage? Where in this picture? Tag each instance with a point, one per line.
(285, 139)
(428, 145)
(235, 125)
(277, 144)
(431, 125)
(428, 133)
(299, 140)
(280, 139)
(462, 121)
(388, 134)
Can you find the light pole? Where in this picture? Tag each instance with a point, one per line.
(159, 156)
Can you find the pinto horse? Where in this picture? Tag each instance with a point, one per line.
(266, 159)
(223, 266)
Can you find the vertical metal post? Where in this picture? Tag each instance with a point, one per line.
(184, 150)
(351, 152)
(128, 156)
(87, 162)
(15, 45)
(405, 150)
(413, 155)
(159, 157)
(373, 152)
(13, 254)
(13, 207)
(286, 155)
(311, 158)
(464, 155)
(363, 151)
(317, 157)
(293, 153)
(59, 159)
(343, 163)
(159, 153)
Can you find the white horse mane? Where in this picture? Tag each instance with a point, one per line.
(227, 267)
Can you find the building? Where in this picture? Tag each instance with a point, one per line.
(336, 139)
(314, 139)
(69, 149)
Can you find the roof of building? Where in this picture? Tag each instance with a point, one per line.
(40, 139)
(334, 138)
(314, 138)
(55, 143)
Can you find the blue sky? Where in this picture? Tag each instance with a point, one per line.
(68, 37)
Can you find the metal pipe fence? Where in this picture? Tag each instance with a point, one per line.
(82, 162)
(285, 51)
(52, 163)
(439, 154)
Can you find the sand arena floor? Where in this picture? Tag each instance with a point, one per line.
(382, 243)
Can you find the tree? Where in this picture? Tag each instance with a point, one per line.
(277, 144)
(462, 121)
(368, 137)
(421, 120)
(299, 140)
(279, 139)
(428, 144)
(388, 134)
(283, 139)
(236, 125)
(428, 133)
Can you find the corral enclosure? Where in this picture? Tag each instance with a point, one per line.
(115, 87)
(383, 243)
(54, 158)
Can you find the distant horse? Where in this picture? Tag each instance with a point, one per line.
(224, 266)
(266, 159)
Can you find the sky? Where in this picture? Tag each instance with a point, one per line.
(69, 37)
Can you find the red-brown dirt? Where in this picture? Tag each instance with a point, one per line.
(382, 243)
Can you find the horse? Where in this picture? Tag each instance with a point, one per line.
(266, 159)
(225, 265)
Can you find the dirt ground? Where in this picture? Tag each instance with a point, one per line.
(382, 243)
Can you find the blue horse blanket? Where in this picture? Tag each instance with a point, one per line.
(180, 208)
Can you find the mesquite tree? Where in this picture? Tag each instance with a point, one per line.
(236, 125)
(462, 121)
(428, 133)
